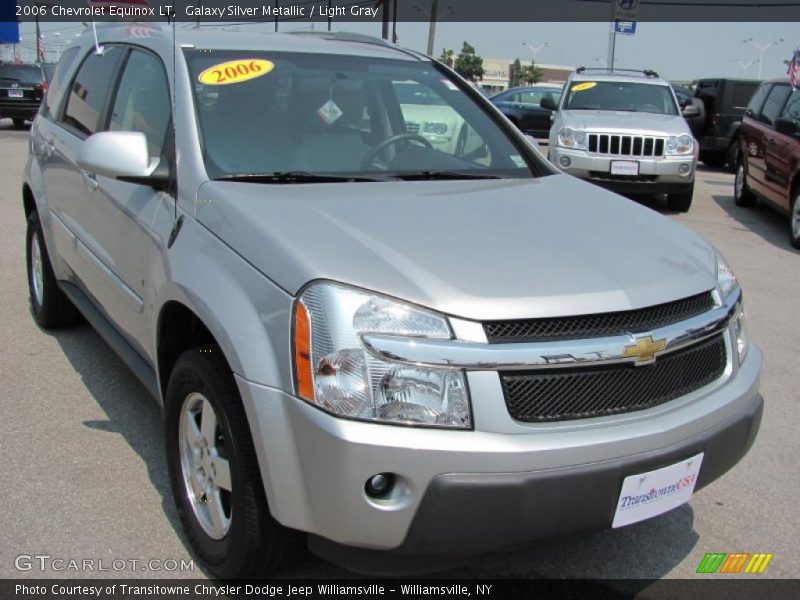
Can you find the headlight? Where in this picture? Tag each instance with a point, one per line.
(740, 332)
(680, 145)
(572, 138)
(336, 373)
(726, 280)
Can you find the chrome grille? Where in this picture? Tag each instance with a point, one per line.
(567, 394)
(597, 325)
(625, 145)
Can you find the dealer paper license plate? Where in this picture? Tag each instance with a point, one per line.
(656, 492)
(624, 167)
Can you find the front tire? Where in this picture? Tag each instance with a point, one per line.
(49, 306)
(742, 195)
(680, 202)
(794, 220)
(214, 472)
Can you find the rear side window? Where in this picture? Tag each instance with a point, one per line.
(775, 101)
(741, 94)
(90, 90)
(57, 81)
(757, 101)
(143, 101)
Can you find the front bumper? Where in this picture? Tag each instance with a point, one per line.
(657, 175)
(501, 484)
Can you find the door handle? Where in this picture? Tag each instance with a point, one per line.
(89, 180)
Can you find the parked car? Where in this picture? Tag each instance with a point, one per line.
(692, 109)
(362, 342)
(522, 105)
(624, 130)
(725, 101)
(768, 166)
(22, 87)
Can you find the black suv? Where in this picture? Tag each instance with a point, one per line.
(22, 87)
(725, 101)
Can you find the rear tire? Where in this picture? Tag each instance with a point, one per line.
(742, 195)
(49, 306)
(680, 202)
(794, 220)
(214, 472)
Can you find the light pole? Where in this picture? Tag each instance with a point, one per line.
(535, 49)
(434, 14)
(762, 48)
(744, 65)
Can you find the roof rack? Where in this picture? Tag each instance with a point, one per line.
(644, 72)
(344, 36)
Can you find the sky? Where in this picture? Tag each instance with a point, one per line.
(677, 51)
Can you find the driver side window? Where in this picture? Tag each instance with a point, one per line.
(143, 101)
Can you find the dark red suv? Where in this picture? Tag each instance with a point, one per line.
(768, 167)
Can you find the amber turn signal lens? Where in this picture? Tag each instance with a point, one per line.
(302, 353)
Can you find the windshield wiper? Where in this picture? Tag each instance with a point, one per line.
(295, 177)
(429, 175)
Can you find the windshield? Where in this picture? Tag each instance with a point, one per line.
(621, 95)
(290, 117)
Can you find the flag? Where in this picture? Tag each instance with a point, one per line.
(794, 69)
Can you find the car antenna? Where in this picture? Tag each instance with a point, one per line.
(177, 221)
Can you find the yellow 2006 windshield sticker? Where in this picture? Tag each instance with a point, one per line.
(586, 85)
(235, 71)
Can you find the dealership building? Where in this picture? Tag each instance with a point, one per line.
(496, 73)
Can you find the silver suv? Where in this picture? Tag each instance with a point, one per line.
(361, 339)
(624, 130)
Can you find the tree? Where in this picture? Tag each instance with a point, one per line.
(531, 74)
(446, 57)
(515, 73)
(468, 64)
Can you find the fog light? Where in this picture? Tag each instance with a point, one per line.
(685, 169)
(564, 161)
(379, 486)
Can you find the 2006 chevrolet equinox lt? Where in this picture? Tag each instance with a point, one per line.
(386, 329)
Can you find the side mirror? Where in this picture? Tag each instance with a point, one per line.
(690, 111)
(786, 126)
(548, 103)
(122, 155)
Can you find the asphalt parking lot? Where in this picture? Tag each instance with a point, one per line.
(86, 476)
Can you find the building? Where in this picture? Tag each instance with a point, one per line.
(496, 72)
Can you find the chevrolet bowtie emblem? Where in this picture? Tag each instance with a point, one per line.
(645, 350)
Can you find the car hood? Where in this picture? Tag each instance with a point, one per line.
(627, 122)
(487, 249)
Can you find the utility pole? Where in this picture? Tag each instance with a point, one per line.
(612, 37)
(432, 26)
(385, 5)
